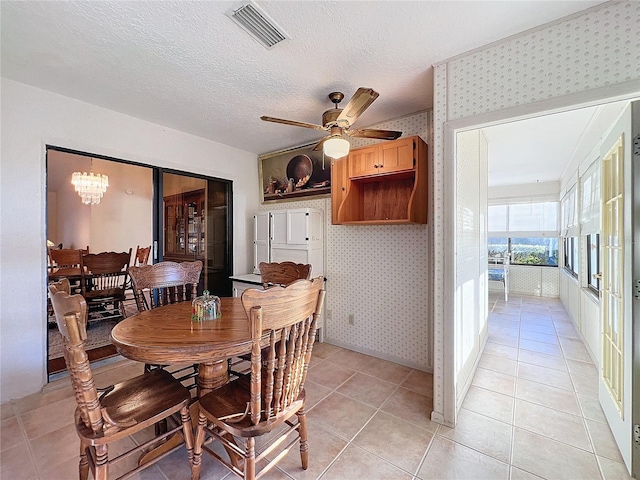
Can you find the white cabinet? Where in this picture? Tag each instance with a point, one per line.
(261, 240)
(294, 235)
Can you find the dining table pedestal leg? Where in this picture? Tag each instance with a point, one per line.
(212, 375)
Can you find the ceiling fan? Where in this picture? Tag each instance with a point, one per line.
(338, 122)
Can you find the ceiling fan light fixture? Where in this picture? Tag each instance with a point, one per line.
(336, 147)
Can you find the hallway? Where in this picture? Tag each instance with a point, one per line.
(531, 412)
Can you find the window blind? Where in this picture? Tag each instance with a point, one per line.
(569, 214)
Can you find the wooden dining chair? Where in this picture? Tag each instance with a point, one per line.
(67, 262)
(104, 283)
(274, 393)
(105, 416)
(283, 273)
(165, 283)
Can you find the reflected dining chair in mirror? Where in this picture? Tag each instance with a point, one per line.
(283, 273)
(104, 283)
(142, 256)
(66, 263)
(165, 283)
(104, 416)
(267, 400)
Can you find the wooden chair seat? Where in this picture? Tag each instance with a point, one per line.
(141, 401)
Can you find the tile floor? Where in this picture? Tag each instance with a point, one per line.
(531, 412)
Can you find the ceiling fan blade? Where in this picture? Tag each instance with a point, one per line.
(358, 104)
(294, 123)
(320, 143)
(371, 133)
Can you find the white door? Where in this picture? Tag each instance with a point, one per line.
(615, 388)
(279, 228)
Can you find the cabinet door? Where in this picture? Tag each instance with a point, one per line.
(363, 161)
(279, 227)
(395, 156)
(297, 227)
(338, 186)
(260, 240)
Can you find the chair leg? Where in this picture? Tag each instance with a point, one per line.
(83, 467)
(102, 463)
(197, 447)
(188, 431)
(302, 431)
(250, 459)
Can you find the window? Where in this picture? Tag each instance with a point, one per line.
(539, 251)
(540, 218)
(593, 262)
(571, 255)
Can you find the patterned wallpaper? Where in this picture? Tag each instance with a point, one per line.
(535, 281)
(378, 273)
(596, 49)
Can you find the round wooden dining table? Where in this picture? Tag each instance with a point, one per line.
(167, 335)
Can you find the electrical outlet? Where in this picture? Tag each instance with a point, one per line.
(328, 314)
(351, 321)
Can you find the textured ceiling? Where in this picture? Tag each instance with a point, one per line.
(187, 66)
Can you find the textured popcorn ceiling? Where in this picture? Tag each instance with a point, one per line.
(187, 66)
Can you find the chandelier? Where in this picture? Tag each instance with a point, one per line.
(90, 186)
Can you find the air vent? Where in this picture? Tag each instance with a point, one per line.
(258, 24)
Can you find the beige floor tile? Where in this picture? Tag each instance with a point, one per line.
(582, 368)
(547, 376)
(497, 382)
(540, 347)
(38, 400)
(324, 350)
(489, 403)
(502, 351)
(591, 408)
(367, 389)
(395, 440)
(560, 426)
(528, 318)
(350, 359)
(517, 474)
(10, 433)
(548, 396)
(15, 463)
(315, 393)
(176, 466)
(385, 370)
(613, 470)
(420, 382)
(356, 463)
(324, 447)
(504, 320)
(481, 433)
(412, 407)
(49, 417)
(549, 459)
(548, 361)
(574, 349)
(539, 337)
(6, 411)
(503, 339)
(533, 326)
(500, 330)
(498, 364)
(341, 415)
(566, 329)
(603, 441)
(585, 385)
(55, 447)
(331, 374)
(448, 460)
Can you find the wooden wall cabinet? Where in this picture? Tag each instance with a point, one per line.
(184, 217)
(384, 183)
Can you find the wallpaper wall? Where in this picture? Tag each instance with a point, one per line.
(586, 56)
(378, 273)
